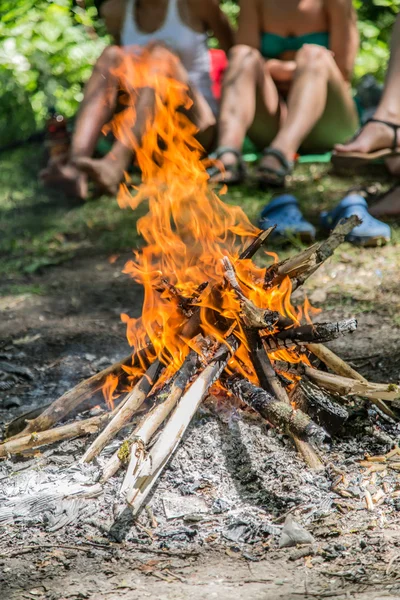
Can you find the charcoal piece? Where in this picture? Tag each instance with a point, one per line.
(294, 534)
(321, 406)
(16, 370)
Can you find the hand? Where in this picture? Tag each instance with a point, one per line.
(281, 71)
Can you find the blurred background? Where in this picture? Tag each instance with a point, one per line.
(47, 49)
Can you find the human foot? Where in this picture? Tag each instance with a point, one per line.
(67, 177)
(274, 167)
(104, 172)
(388, 205)
(233, 169)
(376, 136)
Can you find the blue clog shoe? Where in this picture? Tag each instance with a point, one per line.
(371, 232)
(284, 212)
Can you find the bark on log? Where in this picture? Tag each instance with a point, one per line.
(318, 332)
(304, 264)
(133, 446)
(131, 404)
(279, 414)
(174, 430)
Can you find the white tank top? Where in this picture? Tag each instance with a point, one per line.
(190, 45)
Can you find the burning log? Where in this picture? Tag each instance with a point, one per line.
(141, 482)
(252, 316)
(350, 387)
(300, 267)
(133, 401)
(135, 444)
(340, 367)
(280, 414)
(318, 332)
(58, 434)
(266, 373)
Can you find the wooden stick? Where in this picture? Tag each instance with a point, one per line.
(65, 432)
(279, 414)
(256, 244)
(340, 367)
(133, 401)
(318, 332)
(174, 430)
(351, 387)
(304, 264)
(135, 444)
(61, 407)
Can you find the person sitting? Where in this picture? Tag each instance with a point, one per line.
(287, 85)
(167, 29)
(380, 137)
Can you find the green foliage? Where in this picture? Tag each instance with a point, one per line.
(47, 49)
(375, 22)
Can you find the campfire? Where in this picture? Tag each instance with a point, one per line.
(213, 321)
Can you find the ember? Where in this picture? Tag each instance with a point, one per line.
(211, 318)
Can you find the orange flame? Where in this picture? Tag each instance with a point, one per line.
(109, 389)
(188, 229)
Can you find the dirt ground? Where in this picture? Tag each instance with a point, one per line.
(73, 324)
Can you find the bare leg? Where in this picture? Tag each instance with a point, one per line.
(320, 110)
(109, 171)
(97, 107)
(250, 103)
(376, 136)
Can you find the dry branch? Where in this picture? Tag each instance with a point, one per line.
(44, 438)
(350, 387)
(279, 414)
(135, 444)
(131, 404)
(174, 430)
(304, 264)
(340, 367)
(61, 407)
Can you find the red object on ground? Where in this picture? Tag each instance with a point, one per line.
(219, 63)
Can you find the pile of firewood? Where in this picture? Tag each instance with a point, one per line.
(288, 396)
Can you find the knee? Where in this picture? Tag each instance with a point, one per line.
(244, 57)
(313, 58)
(110, 57)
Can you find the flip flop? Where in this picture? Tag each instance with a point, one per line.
(284, 212)
(371, 232)
(237, 170)
(275, 177)
(355, 159)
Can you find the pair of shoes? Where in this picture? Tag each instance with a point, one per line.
(285, 213)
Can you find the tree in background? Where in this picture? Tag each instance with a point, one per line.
(47, 49)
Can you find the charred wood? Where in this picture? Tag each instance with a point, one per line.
(279, 414)
(321, 406)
